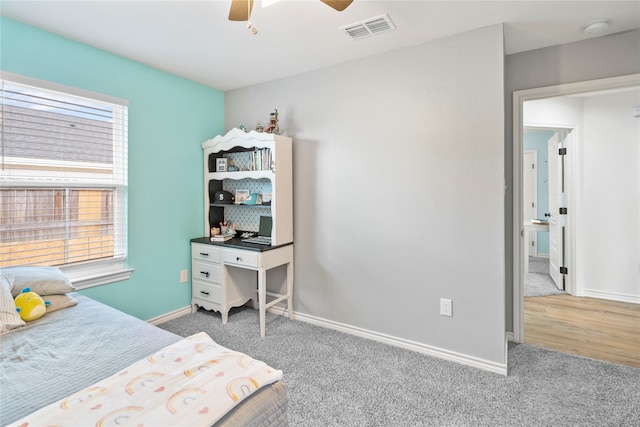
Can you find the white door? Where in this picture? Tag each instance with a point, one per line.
(556, 229)
(530, 197)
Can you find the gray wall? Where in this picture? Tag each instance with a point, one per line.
(597, 58)
(398, 190)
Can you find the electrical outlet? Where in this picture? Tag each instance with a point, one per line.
(446, 307)
(184, 276)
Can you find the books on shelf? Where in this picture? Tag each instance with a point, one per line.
(261, 159)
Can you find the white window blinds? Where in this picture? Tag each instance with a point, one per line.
(63, 176)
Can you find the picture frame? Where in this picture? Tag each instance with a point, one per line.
(266, 198)
(221, 164)
(241, 196)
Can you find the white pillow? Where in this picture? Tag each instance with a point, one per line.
(41, 280)
(9, 317)
(57, 302)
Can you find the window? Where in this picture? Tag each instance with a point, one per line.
(63, 180)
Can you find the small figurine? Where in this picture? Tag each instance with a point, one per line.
(242, 127)
(259, 127)
(273, 123)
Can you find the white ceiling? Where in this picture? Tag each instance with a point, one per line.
(194, 39)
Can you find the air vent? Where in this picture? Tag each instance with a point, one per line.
(369, 27)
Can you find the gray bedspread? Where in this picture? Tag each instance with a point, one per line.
(64, 351)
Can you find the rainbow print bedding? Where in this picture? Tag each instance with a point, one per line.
(54, 357)
(193, 382)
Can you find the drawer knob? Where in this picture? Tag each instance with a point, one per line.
(238, 258)
(204, 254)
(204, 293)
(206, 273)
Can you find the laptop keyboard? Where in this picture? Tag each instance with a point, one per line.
(258, 240)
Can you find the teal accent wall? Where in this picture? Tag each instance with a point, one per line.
(169, 118)
(537, 140)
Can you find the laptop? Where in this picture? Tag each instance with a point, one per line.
(264, 232)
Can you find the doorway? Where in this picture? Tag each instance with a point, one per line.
(575, 242)
(543, 195)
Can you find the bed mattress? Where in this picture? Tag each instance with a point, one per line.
(72, 348)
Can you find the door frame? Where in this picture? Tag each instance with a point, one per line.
(533, 234)
(557, 224)
(519, 97)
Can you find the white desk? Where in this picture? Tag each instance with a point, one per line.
(529, 226)
(220, 279)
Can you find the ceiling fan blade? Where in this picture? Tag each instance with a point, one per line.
(240, 10)
(338, 5)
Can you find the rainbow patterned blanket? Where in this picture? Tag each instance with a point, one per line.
(193, 382)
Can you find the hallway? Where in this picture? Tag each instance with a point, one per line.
(590, 327)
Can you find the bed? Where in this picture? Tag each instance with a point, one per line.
(81, 345)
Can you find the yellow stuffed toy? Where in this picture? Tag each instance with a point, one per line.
(30, 305)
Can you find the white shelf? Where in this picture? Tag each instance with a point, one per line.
(238, 138)
(240, 175)
(280, 179)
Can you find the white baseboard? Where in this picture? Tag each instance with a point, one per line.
(440, 353)
(170, 316)
(635, 299)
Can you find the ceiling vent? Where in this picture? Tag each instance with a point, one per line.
(369, 27)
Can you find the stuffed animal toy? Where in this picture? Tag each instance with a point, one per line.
(30, 305)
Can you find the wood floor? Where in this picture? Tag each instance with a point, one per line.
(595, 328)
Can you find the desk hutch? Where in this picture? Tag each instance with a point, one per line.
(229, 273)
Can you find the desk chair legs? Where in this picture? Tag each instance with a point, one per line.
(290, 289)
(262, 299)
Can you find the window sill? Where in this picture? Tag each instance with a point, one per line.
(97, 274)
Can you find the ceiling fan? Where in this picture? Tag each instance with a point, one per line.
(241, 9)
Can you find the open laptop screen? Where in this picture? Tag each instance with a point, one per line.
(264, 230)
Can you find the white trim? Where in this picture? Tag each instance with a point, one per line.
(170, 316)
(519, 97)
(67, 90)
(506, 353)
(573, 165)
(579, 87)
(534, 239)
(612, 296)
(96, 273)
(518, 219)
(463, 359)
(103, 279)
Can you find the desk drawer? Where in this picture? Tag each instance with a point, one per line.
(202, 252)
(206, 271)
(241, 258)
(207, 292)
